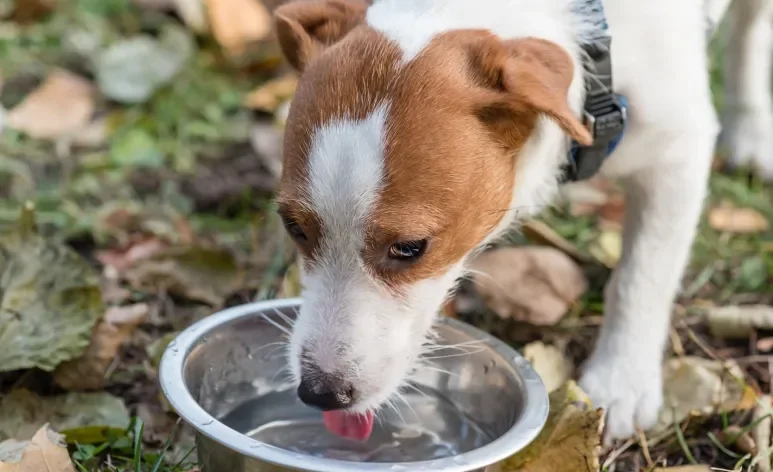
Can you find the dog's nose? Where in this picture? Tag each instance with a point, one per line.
(324, 391)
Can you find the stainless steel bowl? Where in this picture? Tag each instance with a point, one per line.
(226, 376)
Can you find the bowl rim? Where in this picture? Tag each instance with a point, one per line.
(171, 380)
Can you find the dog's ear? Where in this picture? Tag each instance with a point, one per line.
(305, 27)
(524, 78)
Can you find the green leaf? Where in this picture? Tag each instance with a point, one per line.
(135, 148)
(130, 71)
(23, 412)
(91, 434)
(50, 299)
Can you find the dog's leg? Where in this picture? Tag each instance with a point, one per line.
(748, 116)
(663, 206)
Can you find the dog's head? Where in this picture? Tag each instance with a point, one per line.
(397, 166)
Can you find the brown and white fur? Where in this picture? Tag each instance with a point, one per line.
(448, 121)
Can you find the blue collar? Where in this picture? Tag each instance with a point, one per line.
(605, 112)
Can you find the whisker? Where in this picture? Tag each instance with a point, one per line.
(442, 371)
(277, 325)
(402, 398)
(392, 405)
(458, 354)
(284, 317)
(416, 389)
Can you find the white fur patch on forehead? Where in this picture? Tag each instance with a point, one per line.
(346, 167)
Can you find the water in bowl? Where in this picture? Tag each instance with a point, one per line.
(425, 426)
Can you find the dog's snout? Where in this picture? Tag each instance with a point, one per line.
(325, 391)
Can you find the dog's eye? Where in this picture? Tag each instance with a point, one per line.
(407, 250)
(296, 232)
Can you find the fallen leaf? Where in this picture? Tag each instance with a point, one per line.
(121, 259)
(51, 299)
(45, 452)
(22, 412)
(532, 284)
(553, 367)
(694, 386)
(28, 11)
(135, 148)
(271, 94)
(60, 107)
(130, 71)
(738, 322)
(203, 274)
(732, 219)
(92, 434)
(607, 248)
(540, 233)
(88, 371)
(237, 23)
(570, 441)
(156, 349)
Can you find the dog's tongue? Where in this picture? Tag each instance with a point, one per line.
(349, 425)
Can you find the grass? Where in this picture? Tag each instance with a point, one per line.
(126, 453)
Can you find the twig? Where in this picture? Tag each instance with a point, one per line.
(645, 448)
(701, 343)
(612, 457)
(761, 434)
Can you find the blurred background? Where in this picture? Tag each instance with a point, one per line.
(140, 147)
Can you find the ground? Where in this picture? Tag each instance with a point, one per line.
(138, 156)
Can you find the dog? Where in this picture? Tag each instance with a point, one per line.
(421, 130)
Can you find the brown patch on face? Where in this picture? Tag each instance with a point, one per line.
(348, 81)
(460, 112)
(449, 163)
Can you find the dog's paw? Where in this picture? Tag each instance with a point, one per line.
(630, 391)
(747, 137)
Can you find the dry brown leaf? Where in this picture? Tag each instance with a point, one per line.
(45, 452)
(532, 284)
(694, 386)
(88, 371)
(60, 107)
(273, 93)
(553, 367)
(237, 23)
(28, 11)
(731, 219)
(119, 260)
(738, 322)
(570, 440)
(197, 273)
